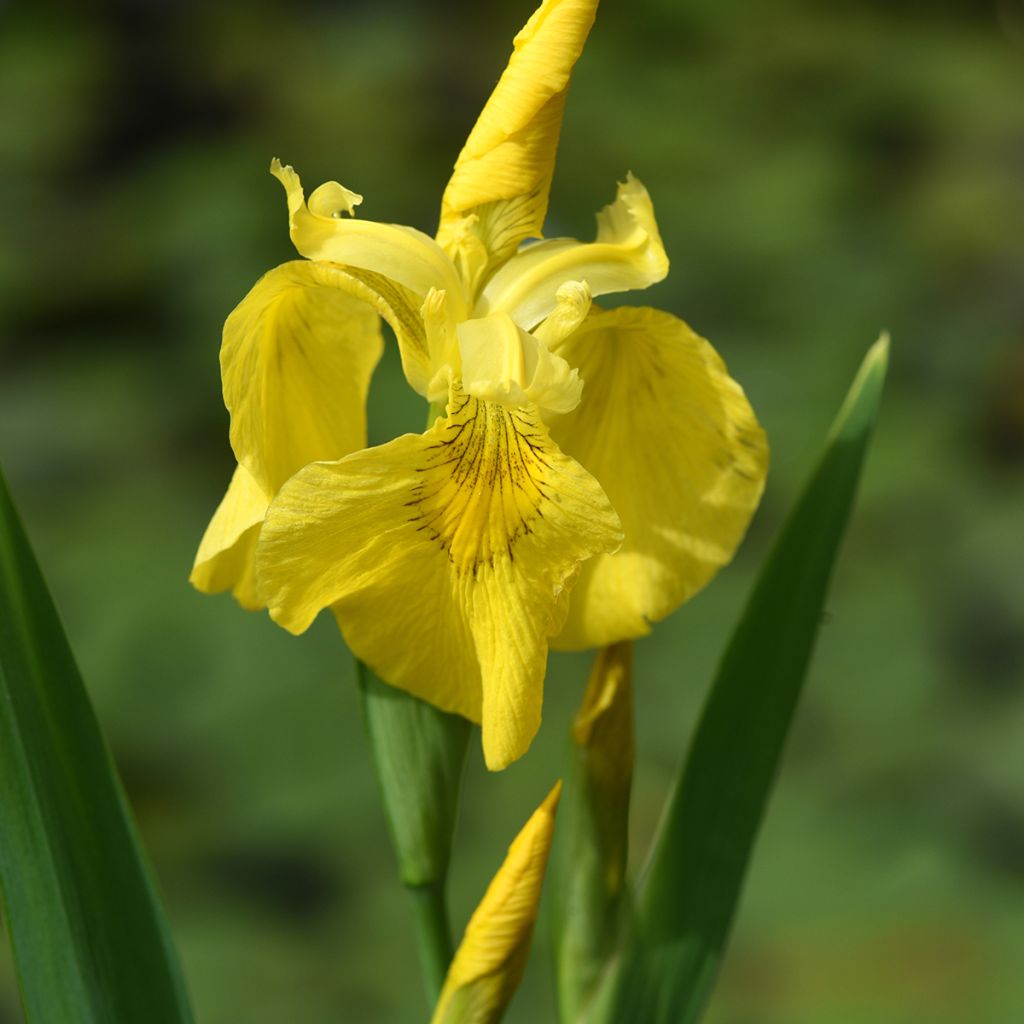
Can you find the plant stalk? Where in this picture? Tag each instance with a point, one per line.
(433, 935)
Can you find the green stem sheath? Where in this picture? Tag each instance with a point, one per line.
(418, 756)
(433, 935)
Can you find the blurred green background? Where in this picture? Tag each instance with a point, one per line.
(820, 171)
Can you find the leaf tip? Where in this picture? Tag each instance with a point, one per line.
(878, 354)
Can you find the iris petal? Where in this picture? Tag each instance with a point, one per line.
(626, 254)
(225, 557)
(447, 559)
(676, 447)
(503, 363)
(403, 254)
(296, 362)
(502, 177)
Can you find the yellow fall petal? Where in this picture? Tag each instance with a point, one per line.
(446, 558)
(319, 231)
(626, 254)
(297, 356)
(675, 444)
(489, 963)
(296, 360)
(502, 177)
(225, 557)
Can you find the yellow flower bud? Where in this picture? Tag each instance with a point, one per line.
(489, 962)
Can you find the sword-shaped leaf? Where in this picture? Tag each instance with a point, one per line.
(90, 942)
(699, 861)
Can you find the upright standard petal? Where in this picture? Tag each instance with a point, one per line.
(296, 361)
(326, 228)
(680, 454)
(447, 559)
(503, 175)
(225, 557)
(490, 960)
(626, 254)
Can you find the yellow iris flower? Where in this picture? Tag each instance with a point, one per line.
(587, 470)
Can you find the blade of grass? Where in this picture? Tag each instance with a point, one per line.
(700, 857)
(90, 942)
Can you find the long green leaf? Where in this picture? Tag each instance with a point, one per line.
(89, 937)
(700, 858)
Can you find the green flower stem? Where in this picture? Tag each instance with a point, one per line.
(433, 934)
(418, 754)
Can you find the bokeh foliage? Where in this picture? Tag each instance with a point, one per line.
(820, 171)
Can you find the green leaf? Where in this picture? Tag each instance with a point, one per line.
(89, 937)
(418, 754)
(696, 872)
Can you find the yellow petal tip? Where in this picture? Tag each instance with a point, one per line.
(550, 805)
(284, 173)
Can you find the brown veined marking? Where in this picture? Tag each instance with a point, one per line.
(483, 486)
